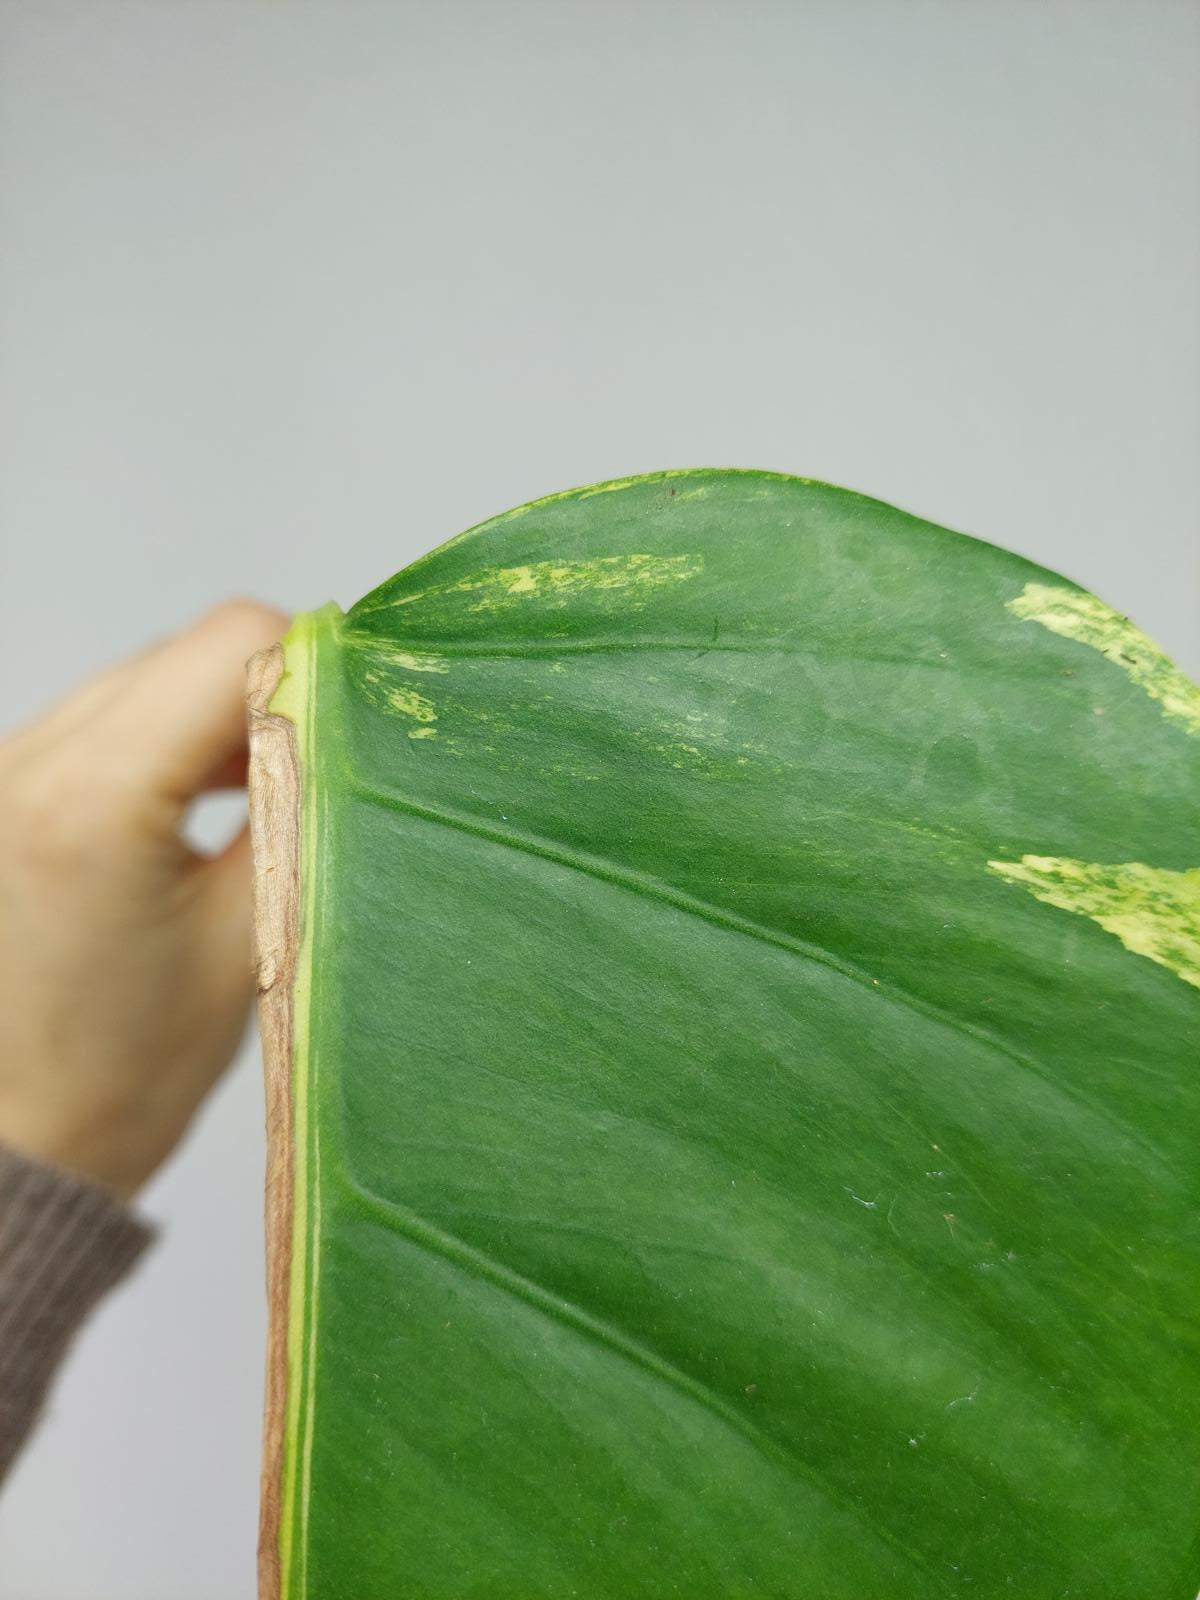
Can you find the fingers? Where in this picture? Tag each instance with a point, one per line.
(76, 710)
(125, 956)
(177, 723)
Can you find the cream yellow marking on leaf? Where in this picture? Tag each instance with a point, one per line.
(422, 733)
(405, 660)
(632, 576)
(411, 703)
(1080, 616)
(524, 582)
(555, 580)
(1153, 911)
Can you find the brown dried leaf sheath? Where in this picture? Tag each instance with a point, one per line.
(275, 829)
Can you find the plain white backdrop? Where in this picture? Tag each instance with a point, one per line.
(291, 292)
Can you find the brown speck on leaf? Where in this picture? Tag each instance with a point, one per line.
(750, 1387)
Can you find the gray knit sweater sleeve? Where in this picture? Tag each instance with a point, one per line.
(63, 1244)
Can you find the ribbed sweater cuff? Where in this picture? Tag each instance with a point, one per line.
(63, 1244)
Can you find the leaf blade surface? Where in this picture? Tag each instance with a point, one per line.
(718, 1178)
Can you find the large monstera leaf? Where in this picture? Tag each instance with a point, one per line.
(740, 1130)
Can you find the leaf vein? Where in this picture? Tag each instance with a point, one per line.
(651, 888)
(427, 1236)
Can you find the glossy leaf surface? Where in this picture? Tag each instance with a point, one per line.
(747, 1104)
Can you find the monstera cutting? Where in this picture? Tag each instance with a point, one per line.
(730, 957)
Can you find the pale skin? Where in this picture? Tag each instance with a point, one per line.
(125, 957)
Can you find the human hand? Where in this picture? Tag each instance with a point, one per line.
(125, 959)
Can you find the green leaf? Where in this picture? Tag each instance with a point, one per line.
(745, 1089)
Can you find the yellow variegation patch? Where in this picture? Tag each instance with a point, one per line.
(627, 576)
(1153, 911)
(409, 702)
(402, 660)
(1075, 614)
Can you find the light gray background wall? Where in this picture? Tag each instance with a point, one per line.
(290, 292)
